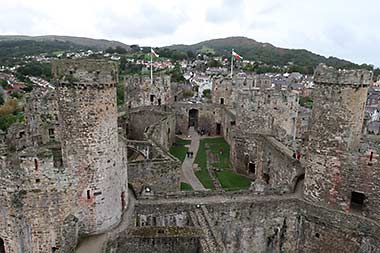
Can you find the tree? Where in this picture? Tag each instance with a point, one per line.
(120, 93)
(38, 69)
(131, 68)
(190, 55)
(109, 50)
(213, 63)
(376, 74)
(123, 63)
(9, 107)
(176, 74)
(120, 50)
(306, 102)
(135, 48)
(9, 114)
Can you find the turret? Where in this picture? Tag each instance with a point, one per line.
(89, 136)
(336, 172)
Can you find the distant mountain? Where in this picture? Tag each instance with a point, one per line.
(99, 44)
(265, 53)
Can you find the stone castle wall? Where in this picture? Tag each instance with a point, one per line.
(224, 89)
(270, 224)
(140, 119)
(338, 167)
(41, 117)
(159, 175)
(158, 171)
(37, 212)
(274, 164)
(268, 111)
(139, 91)
(89, 136)
(209, 115)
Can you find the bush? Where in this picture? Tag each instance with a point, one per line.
(187, 93)
(120, 93)
(9, 107)
(207, 93)
(9, 114)
(37, 69)
(7, 120)
(186, 187)
(306, 102)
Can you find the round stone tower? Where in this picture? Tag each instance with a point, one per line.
(90, 145)
(335, 131)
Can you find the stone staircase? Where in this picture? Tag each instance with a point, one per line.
(211, 243)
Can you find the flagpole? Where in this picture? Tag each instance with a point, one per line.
(232, 62)
(151, 67)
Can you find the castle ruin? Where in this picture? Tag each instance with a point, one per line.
(63, 173)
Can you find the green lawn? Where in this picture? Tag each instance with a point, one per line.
(180, 141)
(201, 160)
(218, 145)
(178, 149)
(215, 145)
(205, 179)
(228, 179)
(186, 187)
(232, 180)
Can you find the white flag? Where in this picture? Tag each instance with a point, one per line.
(153, 53)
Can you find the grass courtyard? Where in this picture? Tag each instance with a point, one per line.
(178, 149)
(219, 157)
(186, 187)
(233, 181)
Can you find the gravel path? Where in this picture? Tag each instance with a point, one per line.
(187, 165)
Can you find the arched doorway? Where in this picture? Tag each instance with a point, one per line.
(193, 118)
(2, 246)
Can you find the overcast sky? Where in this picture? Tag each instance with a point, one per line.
(347, 29)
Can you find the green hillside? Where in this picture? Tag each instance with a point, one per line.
(12, 50)
(99, 44)
(265, 53)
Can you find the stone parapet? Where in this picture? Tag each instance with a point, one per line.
(85, 73)
(328, 75)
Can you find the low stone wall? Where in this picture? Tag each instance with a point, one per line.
(158, 175)
(201, 194)
(159, 239)
(272, 224)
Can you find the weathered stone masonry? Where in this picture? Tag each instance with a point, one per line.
(341, 172)
(62, 170)
(90, 145)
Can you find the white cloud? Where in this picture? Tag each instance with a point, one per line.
(346, 29)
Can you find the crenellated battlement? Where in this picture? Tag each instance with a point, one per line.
(328, 75)
(85, 73)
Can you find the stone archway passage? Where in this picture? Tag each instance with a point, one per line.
(2, 246)
(193, 118)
